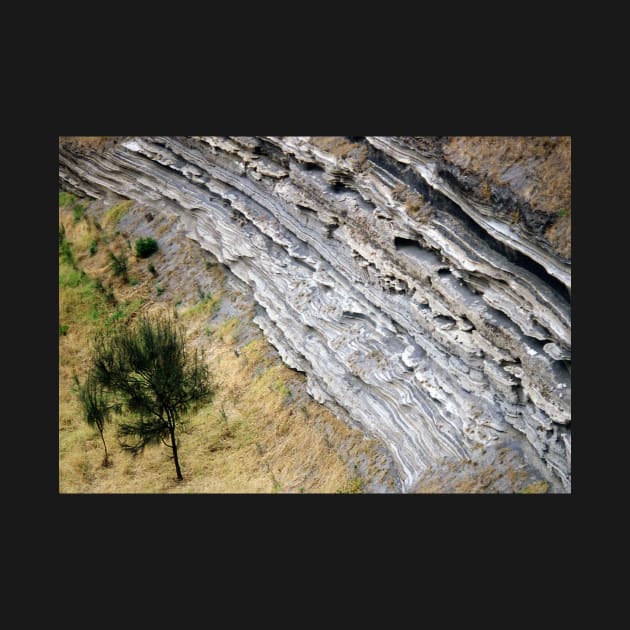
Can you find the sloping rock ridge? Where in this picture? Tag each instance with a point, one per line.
(423, 287)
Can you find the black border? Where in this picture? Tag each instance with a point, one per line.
(370, 105)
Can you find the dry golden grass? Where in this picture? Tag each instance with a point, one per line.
(253, 437)
(342, 148)
(546, 161)
(537, 487)
(97, 143)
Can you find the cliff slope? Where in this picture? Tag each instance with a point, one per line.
(421, 284)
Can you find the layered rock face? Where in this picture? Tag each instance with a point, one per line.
(422, 284)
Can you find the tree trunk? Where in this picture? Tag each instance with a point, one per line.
(106, 460)
(174, 447)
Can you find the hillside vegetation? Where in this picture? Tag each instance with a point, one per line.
(261, 433)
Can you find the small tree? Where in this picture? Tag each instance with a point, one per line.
(153, 375)
(95, 405)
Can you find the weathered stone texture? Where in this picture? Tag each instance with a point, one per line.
(423, 285)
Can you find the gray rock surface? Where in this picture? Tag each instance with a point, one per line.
(437, 327)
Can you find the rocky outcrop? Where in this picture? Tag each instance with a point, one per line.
(422, 289)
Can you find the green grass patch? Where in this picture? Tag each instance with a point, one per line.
(134, 305)
(125, 311)
(70, 277)
(283, 389)
(116, 213)
(537, 487)
(117, 315)
(209, 304)
(78, 212)
(228, 330)
(66, 199)
(80, 301)
(65, 247)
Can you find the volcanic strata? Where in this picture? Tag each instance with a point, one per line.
(422, 284)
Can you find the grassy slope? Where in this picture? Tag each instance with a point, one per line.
(254, 437)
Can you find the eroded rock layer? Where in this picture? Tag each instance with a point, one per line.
(423, 290)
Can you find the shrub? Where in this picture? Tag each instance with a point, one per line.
(63, 329)
(118, 266)
(145, 247)
(151, 269)
(107, 292)
(93, 247)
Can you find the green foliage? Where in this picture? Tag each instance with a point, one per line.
(118, 266)
(107, 292)
(78, 212)
(159, 290)
(207, 303)
(66, 199)
(69, 277)
(283, 389)
(63, 330)
(117, 315)
(93, 247)
(124, 311)
(145, 247)
(87, 294)
(65, 247)
(147, 368)
(95, 404)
